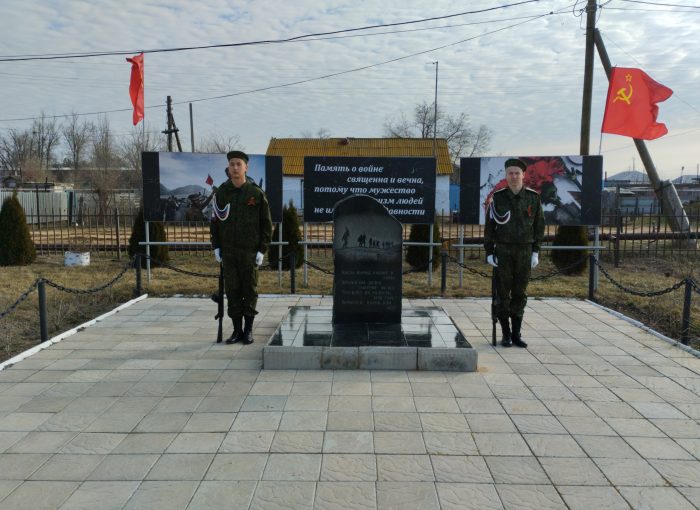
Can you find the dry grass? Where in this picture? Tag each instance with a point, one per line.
(20, 329)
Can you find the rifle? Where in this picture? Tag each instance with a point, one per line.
(494, 306)
(219, 299)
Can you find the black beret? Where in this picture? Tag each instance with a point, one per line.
(237, 154)
(515, 162)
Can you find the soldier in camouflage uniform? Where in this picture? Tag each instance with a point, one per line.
(513, 234)
(241, 229)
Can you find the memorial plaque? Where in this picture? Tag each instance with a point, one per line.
(367, 258)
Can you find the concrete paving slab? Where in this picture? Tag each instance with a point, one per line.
(143, 410)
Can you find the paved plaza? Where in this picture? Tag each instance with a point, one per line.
(142, 410)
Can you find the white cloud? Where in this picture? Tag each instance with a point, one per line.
(524, 82)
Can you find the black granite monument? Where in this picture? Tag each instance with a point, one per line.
(367, 258)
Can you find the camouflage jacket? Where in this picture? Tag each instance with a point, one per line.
(241, 218)
(514, 219)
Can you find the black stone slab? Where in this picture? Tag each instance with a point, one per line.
(427, 328)
(367, 258)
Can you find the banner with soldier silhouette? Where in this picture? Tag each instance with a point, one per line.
(570, 187)
(178, 186)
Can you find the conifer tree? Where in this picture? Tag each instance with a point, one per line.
(156, 232)
(417, 256)
(16, 245)
(572, 262)
(290, 234)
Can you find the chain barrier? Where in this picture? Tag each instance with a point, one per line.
(558, 271)
(654, 293)
(93, 289)
(319, 268)
(541, 277)
(22, 297)
(470, 269)
(179, 270)
(694, 285)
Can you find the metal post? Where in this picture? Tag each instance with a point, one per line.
(119, 244)
(430, 256)
(443, 279)
(148, 251)
(460, 231)
(435, 119)
(292, 271)
(137, 266)
(596, 242)
(591, 277)
(43, 316)
(685, 324)
(191, 128)
(306, 257)
(279, 256)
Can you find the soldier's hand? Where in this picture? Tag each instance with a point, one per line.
(217, 255)
(535, 260)
(491, 260)
(258, 259)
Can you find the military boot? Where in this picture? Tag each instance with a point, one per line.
(237, 331)
(247, 336)
(517, 339)
(505, 328)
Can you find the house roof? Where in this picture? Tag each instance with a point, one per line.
(293, 150)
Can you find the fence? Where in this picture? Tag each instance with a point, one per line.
(689, 285)
(107, 231)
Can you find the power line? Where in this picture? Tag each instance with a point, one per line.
(307, 80)
(56, 56)
(662, 4)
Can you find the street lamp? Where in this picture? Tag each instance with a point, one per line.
(435, 119)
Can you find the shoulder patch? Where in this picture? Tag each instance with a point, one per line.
(500, 190)
(531, 190)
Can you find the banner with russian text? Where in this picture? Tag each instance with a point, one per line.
(405, 186)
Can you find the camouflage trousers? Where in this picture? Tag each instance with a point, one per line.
(241, 282)
(512, 278)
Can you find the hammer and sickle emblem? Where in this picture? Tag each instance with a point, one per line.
(622, 93)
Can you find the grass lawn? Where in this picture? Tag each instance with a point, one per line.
(19, 330)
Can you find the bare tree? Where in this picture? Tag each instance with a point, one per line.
(138, 141)
(19, 154)
(322, 133)
(104, 176)
(46, 135)
(219, 144)
(461, 138)
(77, 136)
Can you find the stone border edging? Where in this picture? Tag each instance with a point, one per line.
(8, 363)
(658, 335)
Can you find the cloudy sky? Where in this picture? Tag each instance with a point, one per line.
(516, 69)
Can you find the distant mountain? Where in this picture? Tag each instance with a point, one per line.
(190, 189)
(629, 176)
(183, 191)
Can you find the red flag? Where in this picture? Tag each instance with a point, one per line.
(630, 109)
(136, 86)
(209, 180)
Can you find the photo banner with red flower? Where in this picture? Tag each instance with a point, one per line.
(630, 108)
(569, 186)
(136, 86)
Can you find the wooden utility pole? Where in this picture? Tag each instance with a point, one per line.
(588, 79)
(172, 129)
